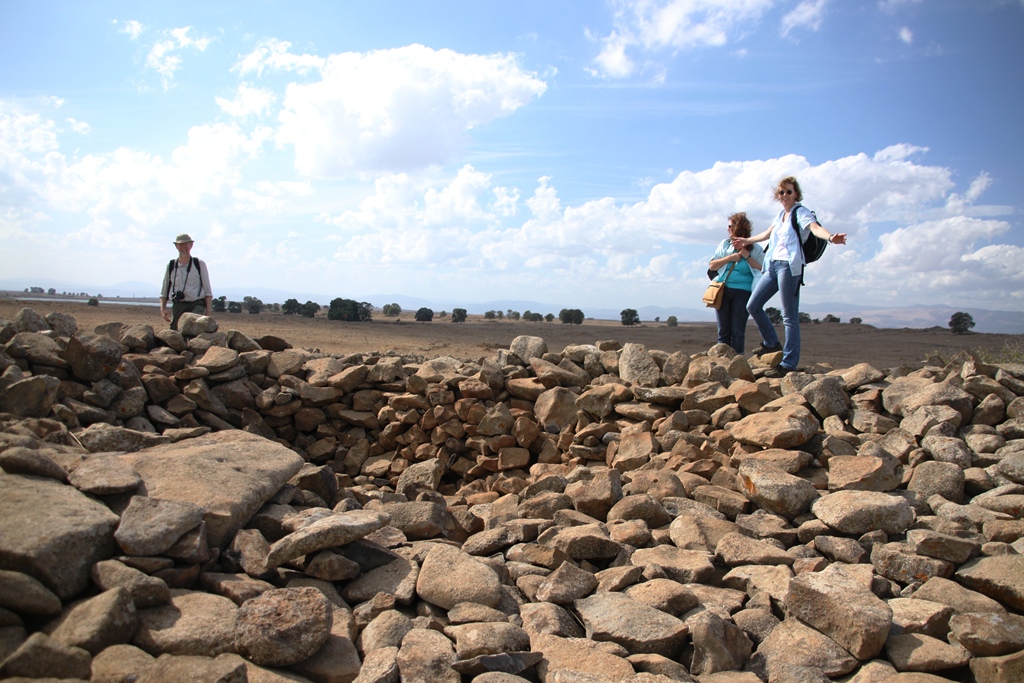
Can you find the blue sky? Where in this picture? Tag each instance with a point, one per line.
(586, 154)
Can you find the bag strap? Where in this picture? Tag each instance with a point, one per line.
(170, 265)
(199, 270)
(728, 273)
(170, 278)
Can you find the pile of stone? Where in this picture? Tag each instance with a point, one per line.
(208, 507)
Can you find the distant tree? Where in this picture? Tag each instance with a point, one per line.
(534, 317)
(630, 317)
(490, 315)
(220, 304)
(804, 317)
(291, 307)
(424, 315)
(961, 322)
(51, 290)
(526, 314)
(458, 315)
(830, 319)
(442, 314)
(392, 310)
(309, 309)
(252, 304)
(672, 321)
(549, 317)
(275, 307)
(571, 316)
(93, 302)
(774, 315)
(234, 307)
(855, 321)
(513, 315)
(500, 314)
(657, 319)
(39, 290)
(349, 310)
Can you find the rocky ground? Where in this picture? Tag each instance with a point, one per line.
(210, 506)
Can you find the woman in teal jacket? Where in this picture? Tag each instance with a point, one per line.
(738, 270)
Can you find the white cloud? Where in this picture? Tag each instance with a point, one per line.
(809, 14)
(405, 108)
(163, 56)
(273, 55)
(668, 25)
(248, 101)
(80, 127)
(131, 27)
(914, 236)
(906, 35)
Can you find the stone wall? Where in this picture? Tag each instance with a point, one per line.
(208, 505)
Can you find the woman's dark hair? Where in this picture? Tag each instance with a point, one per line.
(789, 180)
(742, 224)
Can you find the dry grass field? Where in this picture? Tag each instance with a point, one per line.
(835, 344)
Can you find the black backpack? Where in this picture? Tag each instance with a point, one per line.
(813, 247)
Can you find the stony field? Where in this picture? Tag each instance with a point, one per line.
(224, 504)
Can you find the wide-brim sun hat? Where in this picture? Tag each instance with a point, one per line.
(182, 238)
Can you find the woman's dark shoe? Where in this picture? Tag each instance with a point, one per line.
(763, 349)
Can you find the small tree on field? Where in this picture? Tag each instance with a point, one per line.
(513, 315)
(220, 304)
(93, 302)
(252, 304)
(630, 317)
(458, 315)
(571, 316)
(672, 321)
(830, 319)
(391, 310)
(309, 309)
(291, 307)
(804, 317)
(855, 321)
(961, 322)
(774, 315)
(549, 317)
(424, 315)
(349, 310)
(234, 307)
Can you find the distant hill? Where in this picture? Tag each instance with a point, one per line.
(1002, 322)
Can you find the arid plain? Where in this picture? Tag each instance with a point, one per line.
(835, 344)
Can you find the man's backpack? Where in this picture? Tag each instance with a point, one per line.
(813, 247)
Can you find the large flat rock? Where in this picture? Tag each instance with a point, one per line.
(229, 474)
(53, 532)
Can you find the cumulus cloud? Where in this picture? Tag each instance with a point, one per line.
(397, 109)
(808, 14)
(914, 234)
(906, 35)
(274, 55)
(248, 101)
(131, 27)
(668, 25)
(164, 57)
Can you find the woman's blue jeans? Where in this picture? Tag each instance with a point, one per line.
(732, 318)
(778, 278)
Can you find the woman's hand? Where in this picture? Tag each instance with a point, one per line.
(741, 243)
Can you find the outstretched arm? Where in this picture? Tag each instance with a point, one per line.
(830, 237)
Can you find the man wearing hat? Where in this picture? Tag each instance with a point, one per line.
(186, 284)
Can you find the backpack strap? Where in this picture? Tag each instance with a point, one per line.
(199, 270)
(170, 266)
